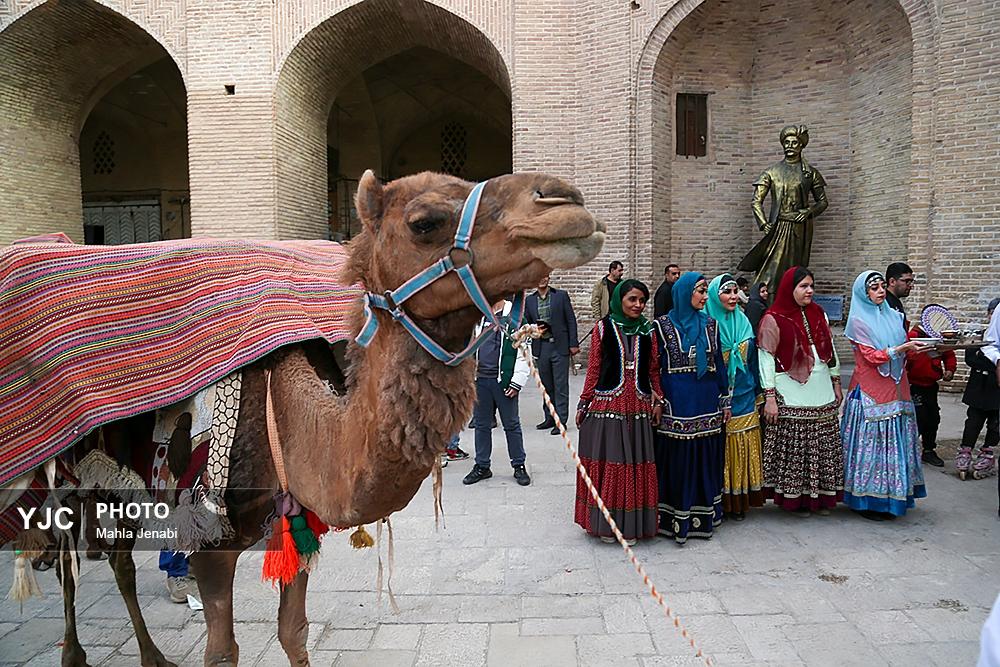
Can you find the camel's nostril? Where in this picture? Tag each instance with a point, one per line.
(557, 198)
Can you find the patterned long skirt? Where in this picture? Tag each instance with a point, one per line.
(690, 473)
(743, 475)
(803, 458)
(618, 456)
(882, 469)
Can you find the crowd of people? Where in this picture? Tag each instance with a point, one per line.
(731, 395)
(740, 397)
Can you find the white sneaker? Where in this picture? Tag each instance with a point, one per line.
(180, 587)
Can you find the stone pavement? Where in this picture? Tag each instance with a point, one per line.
(511, 580)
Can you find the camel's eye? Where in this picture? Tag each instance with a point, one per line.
(426, 224)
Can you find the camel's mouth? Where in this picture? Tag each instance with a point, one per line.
(567, 242)
(569, 253)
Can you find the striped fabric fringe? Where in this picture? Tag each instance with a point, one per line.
(93, 334)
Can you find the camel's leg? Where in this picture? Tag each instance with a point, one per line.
(124, 568)
(214, 571)
(73, 654)
(96, 546)
(293, 626)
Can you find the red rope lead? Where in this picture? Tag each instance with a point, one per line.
(522, 340)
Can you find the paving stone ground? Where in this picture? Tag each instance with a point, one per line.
(511, 580)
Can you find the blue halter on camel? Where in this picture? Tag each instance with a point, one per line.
(393, 300)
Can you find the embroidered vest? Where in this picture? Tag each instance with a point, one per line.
(613, 358)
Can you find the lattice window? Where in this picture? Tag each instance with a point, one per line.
(104, 153)
(454, 150)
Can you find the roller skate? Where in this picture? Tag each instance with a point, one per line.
(985, 464)
(963, 462)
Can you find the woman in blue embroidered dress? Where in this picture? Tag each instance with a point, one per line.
(690, 440)
(618, 409)
(882, 472)
(743, 476)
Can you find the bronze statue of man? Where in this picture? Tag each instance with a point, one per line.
(788, 227)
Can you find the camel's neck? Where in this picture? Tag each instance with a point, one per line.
(363, 456)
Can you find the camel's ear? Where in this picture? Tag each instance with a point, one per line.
(369, 199)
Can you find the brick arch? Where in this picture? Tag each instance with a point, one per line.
(163, 20)
(922, 22)
(57, 64)
(324, 59)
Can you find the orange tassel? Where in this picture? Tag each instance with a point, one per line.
(274, 542)
(281, 565)
(315, 525)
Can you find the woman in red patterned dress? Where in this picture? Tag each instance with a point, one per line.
(618, 409)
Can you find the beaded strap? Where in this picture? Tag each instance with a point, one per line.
(805, 321)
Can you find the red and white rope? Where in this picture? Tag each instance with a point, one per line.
(522, 340)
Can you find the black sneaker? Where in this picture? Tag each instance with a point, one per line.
(477, 474)
(555, 431)
(544, 425)
(931, 458)
(521, 476)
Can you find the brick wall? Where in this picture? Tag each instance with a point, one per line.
(901, 97)
(964, 247)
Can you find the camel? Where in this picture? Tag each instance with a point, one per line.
(358, 455)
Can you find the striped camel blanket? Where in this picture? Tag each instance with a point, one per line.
(93, 334)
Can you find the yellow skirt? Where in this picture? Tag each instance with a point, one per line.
(743, 475)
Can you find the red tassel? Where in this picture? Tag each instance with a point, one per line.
(315, 525)
(281, 563)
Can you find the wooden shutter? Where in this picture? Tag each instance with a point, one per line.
(692, 125)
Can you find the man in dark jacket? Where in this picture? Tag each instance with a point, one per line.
(500, 374)
(663, 300)
(552, 310)
(982, 395)
(925, 370)
(899, 283)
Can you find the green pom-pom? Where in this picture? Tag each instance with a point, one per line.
(305, 540)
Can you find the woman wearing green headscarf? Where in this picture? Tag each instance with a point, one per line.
(743, 475)
(619, 408)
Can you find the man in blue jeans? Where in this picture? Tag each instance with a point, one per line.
(179, 583)
(500, 373)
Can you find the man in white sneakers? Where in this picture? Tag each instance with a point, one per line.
(500, 373)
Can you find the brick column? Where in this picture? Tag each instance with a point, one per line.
(231, 136)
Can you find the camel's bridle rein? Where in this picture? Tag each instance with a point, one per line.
(393, 300)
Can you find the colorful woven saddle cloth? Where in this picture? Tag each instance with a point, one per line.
(93, 334)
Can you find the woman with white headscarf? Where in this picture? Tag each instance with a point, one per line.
(882, 472)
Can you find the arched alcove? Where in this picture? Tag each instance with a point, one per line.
(843, 69)
(61, 60)
(340, 59)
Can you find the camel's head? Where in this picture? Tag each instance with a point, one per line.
(528, 224)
